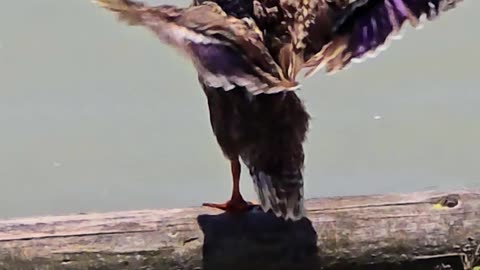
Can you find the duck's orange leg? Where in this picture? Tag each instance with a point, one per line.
(236, 203)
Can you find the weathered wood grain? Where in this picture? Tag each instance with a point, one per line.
(342, 232)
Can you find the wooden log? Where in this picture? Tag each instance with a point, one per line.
(341, 233)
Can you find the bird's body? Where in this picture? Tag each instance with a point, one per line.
(267, 133)
(248, 54)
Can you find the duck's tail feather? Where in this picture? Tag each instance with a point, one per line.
(283, 195)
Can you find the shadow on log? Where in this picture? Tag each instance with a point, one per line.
(258, 241)
(425, 230)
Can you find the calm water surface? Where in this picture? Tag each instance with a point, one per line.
(99, 116)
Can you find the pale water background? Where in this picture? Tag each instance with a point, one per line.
(99, 116)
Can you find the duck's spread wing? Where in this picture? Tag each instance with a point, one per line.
(226, 51)
(350, 30)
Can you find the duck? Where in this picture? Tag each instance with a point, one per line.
(249, 55)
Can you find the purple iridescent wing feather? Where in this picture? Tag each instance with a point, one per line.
(362, 28)
(223, 67)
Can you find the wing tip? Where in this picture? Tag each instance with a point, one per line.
(125, 9)
(114, 5)
(326, 56)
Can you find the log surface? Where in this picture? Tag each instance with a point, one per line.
(341, 231)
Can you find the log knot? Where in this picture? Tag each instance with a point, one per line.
(449, 201)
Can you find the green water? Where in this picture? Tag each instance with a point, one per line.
(99, 116)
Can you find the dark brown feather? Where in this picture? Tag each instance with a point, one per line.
(267, 132)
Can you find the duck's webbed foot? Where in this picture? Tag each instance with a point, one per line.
(236, 204)
(233, 205)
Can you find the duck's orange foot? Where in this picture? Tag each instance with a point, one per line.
(233, 206)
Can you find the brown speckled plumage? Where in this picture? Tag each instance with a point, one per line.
(267, 133)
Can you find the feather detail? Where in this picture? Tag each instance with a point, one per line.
(364, 28)
(281, 195)
(226, 51)
(274, 153)
(298, 16)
